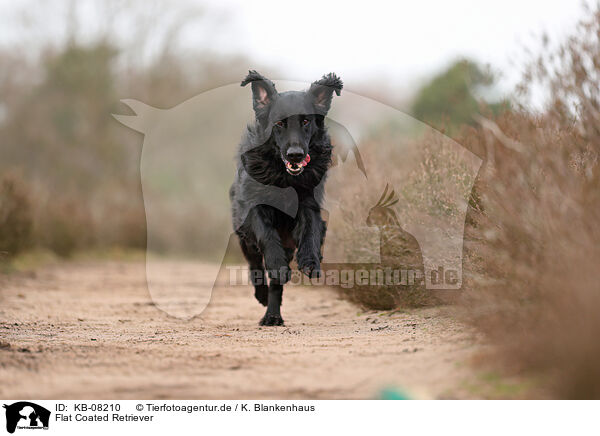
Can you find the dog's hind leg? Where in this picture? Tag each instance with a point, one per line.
(258, 277)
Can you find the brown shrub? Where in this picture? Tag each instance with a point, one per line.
(428, 186)
(64, 226)
(534, 250)
(131, 228)
(15, 216)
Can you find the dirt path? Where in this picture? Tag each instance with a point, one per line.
(90, 330)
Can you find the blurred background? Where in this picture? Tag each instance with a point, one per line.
(70, 173)
(66, 64)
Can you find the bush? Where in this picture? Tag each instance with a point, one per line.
(65, 226)
(534, 249)
(375, 203)
(15, 216)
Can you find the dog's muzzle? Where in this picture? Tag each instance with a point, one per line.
(296, 168)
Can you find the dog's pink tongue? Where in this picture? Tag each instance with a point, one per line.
(305, 161)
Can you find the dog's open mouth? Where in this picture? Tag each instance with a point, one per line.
(296, 168)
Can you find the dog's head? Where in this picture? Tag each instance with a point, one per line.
(292, 118)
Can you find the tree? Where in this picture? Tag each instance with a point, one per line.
(451, 99)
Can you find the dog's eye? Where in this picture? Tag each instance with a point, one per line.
(279, 123)
(305, 122)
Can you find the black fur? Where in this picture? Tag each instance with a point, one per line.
(289, 126)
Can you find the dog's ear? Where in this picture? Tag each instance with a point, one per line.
(263, 90)
(322, 91)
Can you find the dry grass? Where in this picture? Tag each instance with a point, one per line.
(67, 225)
(534, 248)
(405, 179)
(16, 220)
(533, 254)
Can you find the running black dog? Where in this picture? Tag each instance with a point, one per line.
(286, 147)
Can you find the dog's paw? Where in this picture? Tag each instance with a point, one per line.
(312, 268)
(261, 293)
(271, 320)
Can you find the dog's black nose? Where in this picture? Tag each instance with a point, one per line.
(295, 154)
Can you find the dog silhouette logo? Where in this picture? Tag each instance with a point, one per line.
(26, 415)
(186, 169)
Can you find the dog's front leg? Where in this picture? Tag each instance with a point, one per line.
(310, 233)
(270, 245)
(276, 263)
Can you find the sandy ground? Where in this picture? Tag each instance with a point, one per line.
(90, 330)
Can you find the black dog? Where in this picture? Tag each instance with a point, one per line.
(287, 147)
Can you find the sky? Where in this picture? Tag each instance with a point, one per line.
(394, 45)
(398, 43)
